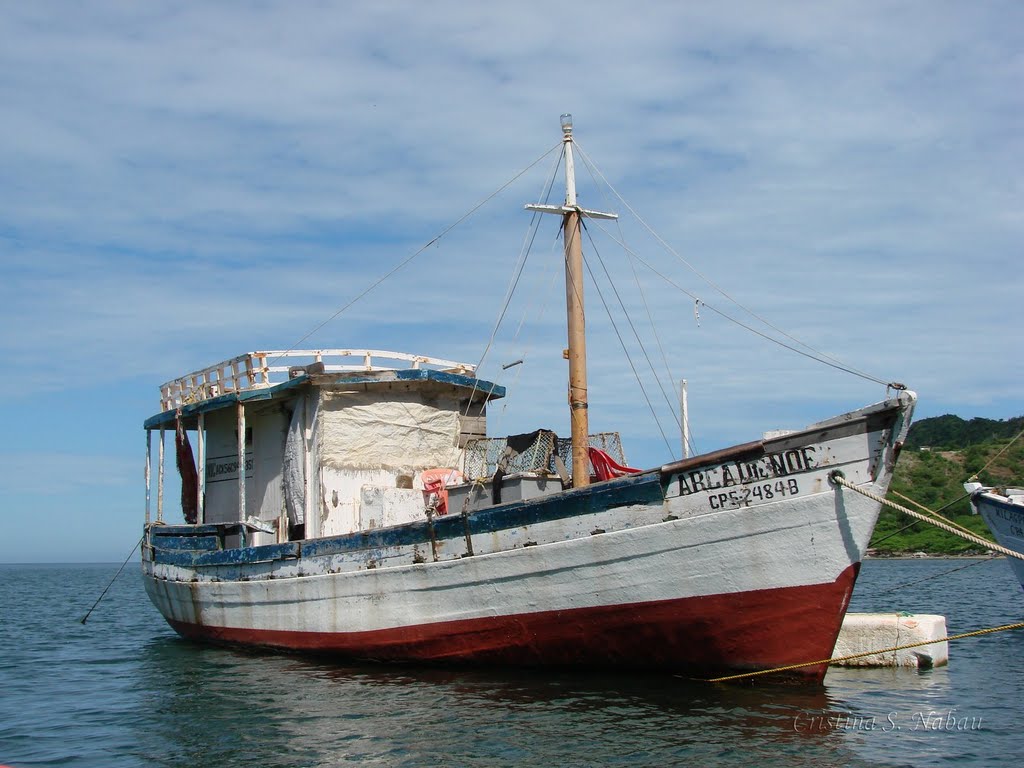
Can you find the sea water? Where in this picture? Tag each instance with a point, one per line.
(124, 690)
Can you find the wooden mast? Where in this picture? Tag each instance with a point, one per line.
(576, 319)
(577, 324)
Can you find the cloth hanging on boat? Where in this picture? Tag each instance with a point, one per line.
(294, 465)
(519, 443)
(499, 476)
(605, 467)
(186, 464)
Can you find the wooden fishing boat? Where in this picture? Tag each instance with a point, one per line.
(348, 502)
(1002, 509)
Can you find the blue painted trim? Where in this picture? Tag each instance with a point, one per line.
(187, 543)
(166, 418)
(183, 530)
(236, 556)
(644, 488)
(486, 388)
(492, 390)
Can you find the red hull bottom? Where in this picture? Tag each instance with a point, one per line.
(698, 637)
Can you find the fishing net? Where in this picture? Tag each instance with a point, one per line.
(532, 452)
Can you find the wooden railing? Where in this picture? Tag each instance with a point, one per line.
(254, 370)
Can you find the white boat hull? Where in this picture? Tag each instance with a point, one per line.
(740, 560)
(1004, 515)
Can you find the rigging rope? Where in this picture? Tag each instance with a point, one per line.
(815, 355)
(594, 172)
(524, 254)
(818, 356)
(409, 259)
(636, 335)
(543, 297)
(632, 327)
(974, 477)
(625, 351)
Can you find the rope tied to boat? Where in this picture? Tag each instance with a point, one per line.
(1005, 448)
(838, 478)
(892, 649)
(934, 514)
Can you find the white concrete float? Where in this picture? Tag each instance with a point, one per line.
(863, 632)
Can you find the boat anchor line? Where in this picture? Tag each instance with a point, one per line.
(838, 478)
(893, 649)
(104, 592)
(900, 587)
(935, 513)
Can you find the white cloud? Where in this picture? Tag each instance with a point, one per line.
(183, 183)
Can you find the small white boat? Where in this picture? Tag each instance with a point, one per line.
(348, 502)
(1003, 513)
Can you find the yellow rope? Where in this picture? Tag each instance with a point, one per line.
(840, 480)
(947, 526)
(932, 513)
(894, 648)
(1005, 448)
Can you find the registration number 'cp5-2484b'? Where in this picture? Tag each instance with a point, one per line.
(741, 483)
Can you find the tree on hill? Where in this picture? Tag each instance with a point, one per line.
(959, 450)
(952, 432)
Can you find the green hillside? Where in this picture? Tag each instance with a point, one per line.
(952, 432)
(940, 455)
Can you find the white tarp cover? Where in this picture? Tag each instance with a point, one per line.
(360, 431)
(295, 466)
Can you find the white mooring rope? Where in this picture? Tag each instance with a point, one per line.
(837, 478)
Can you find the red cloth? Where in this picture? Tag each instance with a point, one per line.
(605, 467)
(189, 477)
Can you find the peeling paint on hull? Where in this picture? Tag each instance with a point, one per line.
(696, 636)
(740, 560)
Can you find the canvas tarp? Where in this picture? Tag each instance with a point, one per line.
(360, 431)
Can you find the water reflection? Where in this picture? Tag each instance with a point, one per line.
(125, 691)
(219, 706)
(214, 707)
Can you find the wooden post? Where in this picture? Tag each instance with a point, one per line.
(160, 480)
(201, 485)
(149, 454)
(241, 462)
(310, 516)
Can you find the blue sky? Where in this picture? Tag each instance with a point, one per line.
(182, 183)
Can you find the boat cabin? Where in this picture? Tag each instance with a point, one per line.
(332, 442)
